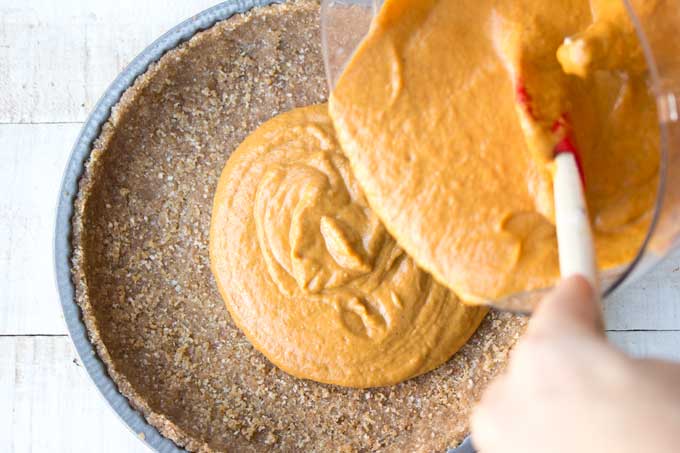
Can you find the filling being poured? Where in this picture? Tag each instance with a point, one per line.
(450, 113)
(447, 119)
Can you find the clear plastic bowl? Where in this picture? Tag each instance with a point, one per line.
(344, 23)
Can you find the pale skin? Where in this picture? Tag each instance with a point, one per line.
(568, 390)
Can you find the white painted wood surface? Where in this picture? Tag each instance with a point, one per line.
(56, 59)
(48, 405)
(59, 56)
(33, 156)
(656, 344)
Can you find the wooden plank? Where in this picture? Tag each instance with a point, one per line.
(33, 158)
(650, 303)
(58, 57)
(663, 345)
(47, 403)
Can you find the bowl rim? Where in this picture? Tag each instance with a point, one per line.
(62, 247)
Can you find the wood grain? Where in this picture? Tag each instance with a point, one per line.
(47, 403)
(33, 158)
(650, 303)
(661, 345)
(58, 57)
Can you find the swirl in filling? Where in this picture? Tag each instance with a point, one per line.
(309, 273)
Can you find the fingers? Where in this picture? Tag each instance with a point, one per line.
(563, 341)
(572, 305)
(486, 432)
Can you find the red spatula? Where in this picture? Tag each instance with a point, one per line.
(574, 233)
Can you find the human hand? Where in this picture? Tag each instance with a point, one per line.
(567, 389)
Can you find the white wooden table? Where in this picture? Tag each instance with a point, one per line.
(56, 59)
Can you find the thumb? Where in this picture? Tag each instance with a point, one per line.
(572, 305)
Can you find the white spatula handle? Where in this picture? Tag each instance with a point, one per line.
(574, 234)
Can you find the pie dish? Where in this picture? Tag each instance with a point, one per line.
(140, 265)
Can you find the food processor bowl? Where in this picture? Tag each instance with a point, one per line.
(344, 23)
